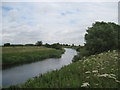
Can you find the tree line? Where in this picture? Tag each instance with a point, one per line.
(40, 43)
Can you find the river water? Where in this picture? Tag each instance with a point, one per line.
(19, 74)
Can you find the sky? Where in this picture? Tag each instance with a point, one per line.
(52, 22)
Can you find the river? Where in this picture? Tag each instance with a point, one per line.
(19, 74)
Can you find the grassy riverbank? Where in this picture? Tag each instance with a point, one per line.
(96, 71)
(24, 54)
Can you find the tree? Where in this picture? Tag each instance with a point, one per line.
(47, 45)
(29, 44)
(39, 43)
(102, 37)
(56, 46)
(7, 44)
(73, 45)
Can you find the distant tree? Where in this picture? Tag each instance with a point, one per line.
(7, 44)
(56, 46)
(16, 45)
(47, 45)
(29, 44)
(38, 43)
(66, 45)
(63, 44)
(73, 45)
(102, 37)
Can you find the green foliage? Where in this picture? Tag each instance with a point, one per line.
(7, 44)
(78, 48)
(73, 45)
(55, 45)
(82, 53)
(19, 55)
(38, 43)
(47, 45)
(96, 71)
(102, 37)
(29, 44)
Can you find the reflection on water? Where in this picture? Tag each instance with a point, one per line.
(20, 74)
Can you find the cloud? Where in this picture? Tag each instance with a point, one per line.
(25, 22)
(60, 1)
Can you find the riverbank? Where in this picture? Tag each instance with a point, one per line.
(96, 71)
(12, 56)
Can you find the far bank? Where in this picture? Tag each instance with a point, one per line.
(12, 56)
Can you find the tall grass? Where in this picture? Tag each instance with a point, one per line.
(18, 55)
(96, 71)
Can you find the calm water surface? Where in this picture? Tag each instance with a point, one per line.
(20, 74)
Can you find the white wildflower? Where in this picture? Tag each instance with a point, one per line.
(96, 84)
(102, 68)
(103, 75)
(84, 57)
(109, 51)
(108, 75)
(98, 66)
(95, 71)
(85, 84)
(117, 81)
(80, 61)
(101, 54)
(114, 51)
(113, 75)
(112, 69)
(116, 57)
(85, 60)
(93, 55)
(88, 72)
(87, 77)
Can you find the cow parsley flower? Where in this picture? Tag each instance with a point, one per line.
(85, 84)
(95, 71)
(88, 72)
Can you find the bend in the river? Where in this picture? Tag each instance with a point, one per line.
(20, 74)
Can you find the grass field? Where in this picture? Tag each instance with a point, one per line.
(96, 71)
(24, 54)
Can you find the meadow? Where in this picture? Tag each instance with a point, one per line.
(95, 71)
(24, 54)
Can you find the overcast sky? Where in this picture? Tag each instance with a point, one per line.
(53, 22)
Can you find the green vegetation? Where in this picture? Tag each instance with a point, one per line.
(7, 44)
(82, 52)
(97, 65)
(56, 46)
(39, 43)
(96, 71)
(25, 54)
(101, 37)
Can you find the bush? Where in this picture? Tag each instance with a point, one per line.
(55, 45)
(82, 53)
